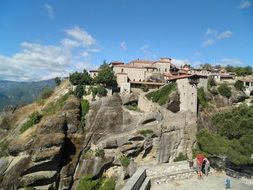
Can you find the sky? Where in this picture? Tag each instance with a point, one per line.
(42, 39)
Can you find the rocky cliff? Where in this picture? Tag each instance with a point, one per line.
(58, 151)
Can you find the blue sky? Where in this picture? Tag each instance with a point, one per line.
(43, 39)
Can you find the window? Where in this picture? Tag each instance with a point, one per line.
(122, 70)
(165, 70)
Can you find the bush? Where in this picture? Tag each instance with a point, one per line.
(86, 183)
(101, 91)
(146, 132)
(85, 106)
(161, 96)
(100, 153)
(239, 85)
(57, 81)
(107, 184)
(144, 88)
(125, 161)
(46, 93)
(33, 119)
(132, 106)
(54, 107)
(224, 90)
(202, 97)
(79, 91)
(211, 82)
(181, 157)
(4, 148)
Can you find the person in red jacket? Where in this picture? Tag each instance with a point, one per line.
(199, 162)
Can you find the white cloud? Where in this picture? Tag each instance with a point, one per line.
(144, 49)
(229, 61)
(208, 42)
(225, 34)
(81, 36)
(50, 10)
(123, 46)
(211, 36)
(244, 4)
(38, 62)
(180, 62)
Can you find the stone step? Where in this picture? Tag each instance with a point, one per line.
(146, 184)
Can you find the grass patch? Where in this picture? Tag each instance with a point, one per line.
(202, 97)
(161, 96)
(85, 106)
(125, 161)
(181, 157)
(146, 132)
(100, 153)
(4, 148)
(88, 154)
(132, 106)
(33, 119)
(54, 107)
(87, 183)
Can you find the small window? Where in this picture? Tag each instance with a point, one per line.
(134, 80)
(122, 70)
(140, 80)
(165, 70)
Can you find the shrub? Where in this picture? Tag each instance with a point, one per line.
(85, 106)
(101, 91)
(181, 157)
(224, 90)
(4, 148)
(132, 106)
(239, 85)
(86, 183)
(57, 81)
(79, 91)
(211, 82)
(107, 184)
(54, 107)
(202, 97)
(144, 88)
(33, 119)
(161, 96)
(100, 153)
(146, 132)
(46, 93)
(125, 161)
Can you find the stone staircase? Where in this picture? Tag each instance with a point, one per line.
(161, 173)
(164, 173)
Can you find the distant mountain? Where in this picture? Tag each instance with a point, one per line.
(21, 93)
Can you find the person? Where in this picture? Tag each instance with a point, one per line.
(206, 166)
(227, 183)
(199, 163)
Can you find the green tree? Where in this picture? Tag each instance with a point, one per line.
(202, 97)
(75, 78)
(101, 91)
(57, 81)
(79, 91)
(86, 78)
(206, 66)
(239, 85)
(105, 75)
(224, 90)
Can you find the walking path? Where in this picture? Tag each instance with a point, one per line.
(215, 181)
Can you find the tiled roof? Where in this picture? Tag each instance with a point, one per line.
(149, 83)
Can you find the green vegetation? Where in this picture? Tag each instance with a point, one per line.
(181, 157)
(146, 132)
(105, 75)
(85, 106)
(34, 118)
(79, 91)
(88, 154)
(87, 183)
(57, 81)
(4, 148)
(46, 93)
(125, 161)
(101, 91)
(83, 78)
(239, 85)
(232, 135)
(224, 90)
(100, 153)
(161, 96)
(240, 71)
(107, 184)
(132, 106)
(144, 88)
(54, 107)
(210, 83)
(202, 97)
